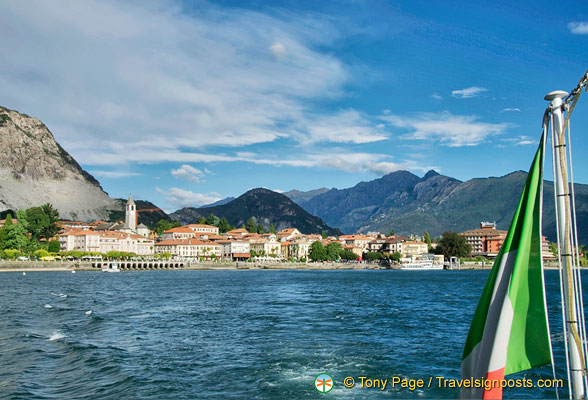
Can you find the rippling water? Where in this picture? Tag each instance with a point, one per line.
(238, 334)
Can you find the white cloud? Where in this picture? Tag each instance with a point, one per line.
(510, 109)
(446, 128)
(188, 173)
(437, 96)
(520, 141)
(208, 78)
(468, 93)
(185, 198)
(114, 174)
(578, 28)
(278, 51)
(347, 126)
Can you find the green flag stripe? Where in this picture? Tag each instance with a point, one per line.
(524, 236)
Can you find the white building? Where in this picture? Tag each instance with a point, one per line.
(189, 248)
(105, 241)
(203, 228)
(235, 249)
(178, 233)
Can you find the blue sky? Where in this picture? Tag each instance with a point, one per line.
(184, 103)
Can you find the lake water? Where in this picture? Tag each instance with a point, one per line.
(240, 334)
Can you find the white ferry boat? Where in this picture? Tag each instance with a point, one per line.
(110, 267)
(420, 266)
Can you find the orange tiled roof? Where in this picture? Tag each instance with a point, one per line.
(179, 229)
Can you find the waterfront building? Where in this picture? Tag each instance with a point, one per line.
(178, 233)
(300, 247)
(235, 250)
(237, 233)
(360, 241)
(190, 248)
(485, 241)
(105, 241)
(414, 248)
(287, 234)
(203, 228)
(265, 246)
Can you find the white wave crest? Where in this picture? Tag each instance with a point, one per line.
(56, 336)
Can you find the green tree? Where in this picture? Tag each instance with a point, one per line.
(201, 221)
(348, 255)
(50, 230)
(224, 226)
(373, 256)
(21, 217)
(41, 253)
(324, 234)
(334, 249)
(53, 246)
(251, 225)
(212, 220)
(11, 254)
(4, 230)
(453, 245)
(317, 252)
(260, 229)
(161, 226)
(391, 233)
(272, 229)
(42, 222)
(396, 256)
(13, 236)
(428, 240)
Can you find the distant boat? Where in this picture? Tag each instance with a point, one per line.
(110, 268)
(24, 273)
(420, 266)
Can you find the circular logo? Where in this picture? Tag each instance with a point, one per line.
(323, 383)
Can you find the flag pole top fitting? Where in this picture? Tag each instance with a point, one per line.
(556, 94)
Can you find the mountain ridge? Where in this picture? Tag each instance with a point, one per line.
(266, 206)
(436, 203)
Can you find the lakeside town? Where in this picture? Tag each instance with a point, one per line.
(205, 242)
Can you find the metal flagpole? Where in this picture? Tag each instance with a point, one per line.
(566, 249)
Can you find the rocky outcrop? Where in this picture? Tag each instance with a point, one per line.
(35, 169)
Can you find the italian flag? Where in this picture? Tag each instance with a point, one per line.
(509, 332)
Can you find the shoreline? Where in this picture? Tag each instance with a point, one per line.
(56, 266)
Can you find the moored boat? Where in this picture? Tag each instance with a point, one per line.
(420, 266)
(112, 267)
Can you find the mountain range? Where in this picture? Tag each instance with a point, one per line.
(405, 203)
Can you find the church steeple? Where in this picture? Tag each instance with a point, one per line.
(131, 214)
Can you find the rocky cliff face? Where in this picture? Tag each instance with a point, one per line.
(35, 169)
